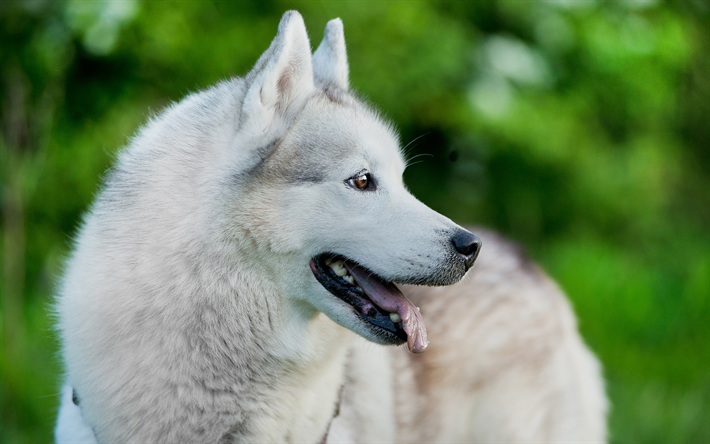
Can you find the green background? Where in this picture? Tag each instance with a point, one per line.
(578, 128)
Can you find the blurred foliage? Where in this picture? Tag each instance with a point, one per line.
(578, 128)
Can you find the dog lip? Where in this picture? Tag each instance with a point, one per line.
(362, 305)
(374, 299)
(389, 297)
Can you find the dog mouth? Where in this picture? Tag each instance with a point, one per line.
(391, 316)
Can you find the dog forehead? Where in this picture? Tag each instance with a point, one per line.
(346, 131)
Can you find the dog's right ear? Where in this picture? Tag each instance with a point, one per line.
(283, 76)
(330, 61)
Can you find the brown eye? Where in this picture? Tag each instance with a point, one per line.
(361, 182)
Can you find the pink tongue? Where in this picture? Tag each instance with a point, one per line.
(388, 297)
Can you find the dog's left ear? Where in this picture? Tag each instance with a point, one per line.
(283, 76)
(330, 61)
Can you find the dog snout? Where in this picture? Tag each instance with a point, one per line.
(467, 245)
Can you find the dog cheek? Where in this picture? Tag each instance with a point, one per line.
(312, 219)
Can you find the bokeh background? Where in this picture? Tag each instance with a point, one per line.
(578, 128)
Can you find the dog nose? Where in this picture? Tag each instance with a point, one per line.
(468, 245)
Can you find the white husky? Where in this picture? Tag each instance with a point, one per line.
(242, 238)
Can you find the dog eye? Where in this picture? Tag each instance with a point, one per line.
(361, 182)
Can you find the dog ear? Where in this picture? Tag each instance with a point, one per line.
(283, 75)
(330, 61)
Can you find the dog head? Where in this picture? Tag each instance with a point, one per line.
(322, 196)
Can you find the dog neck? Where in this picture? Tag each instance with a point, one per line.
(286, 360)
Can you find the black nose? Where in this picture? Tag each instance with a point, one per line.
(468, 245)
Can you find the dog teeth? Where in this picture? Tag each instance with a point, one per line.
(395, 317)
(338, 268)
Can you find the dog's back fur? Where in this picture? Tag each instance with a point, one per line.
(189, 313)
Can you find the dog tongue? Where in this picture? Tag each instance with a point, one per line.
(388, 297)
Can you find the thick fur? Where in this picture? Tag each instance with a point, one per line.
(188, 311)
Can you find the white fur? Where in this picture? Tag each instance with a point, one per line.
(71, 427)
(189, 313)
(330, 61)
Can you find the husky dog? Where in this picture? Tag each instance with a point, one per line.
(243, 237)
